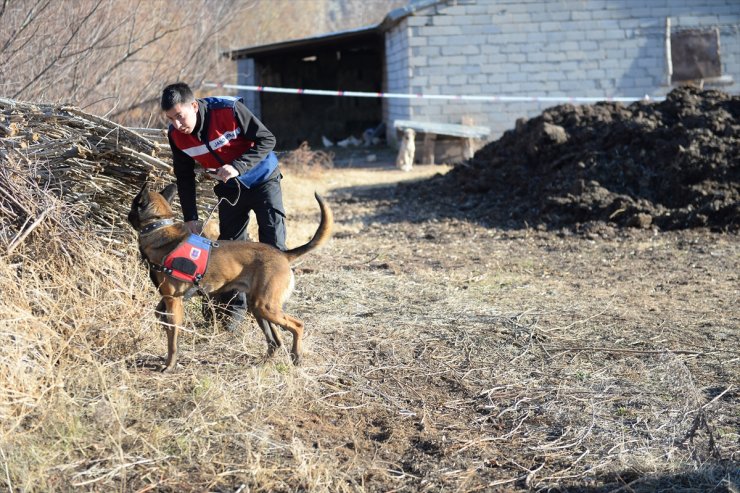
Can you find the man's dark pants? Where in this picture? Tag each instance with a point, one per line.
(266, 200)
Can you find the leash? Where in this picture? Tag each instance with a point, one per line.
(222, 199)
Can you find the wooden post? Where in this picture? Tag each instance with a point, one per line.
(468, 148)
(427, 155)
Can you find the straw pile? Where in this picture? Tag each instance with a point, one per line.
(82, 158)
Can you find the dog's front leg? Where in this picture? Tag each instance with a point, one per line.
(173, 320)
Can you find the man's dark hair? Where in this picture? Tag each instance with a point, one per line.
(175, 94)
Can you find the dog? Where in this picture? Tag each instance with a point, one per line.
(261, 271)
(405, 158)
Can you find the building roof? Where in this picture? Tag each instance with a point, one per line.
(391, 19)
(310, 42)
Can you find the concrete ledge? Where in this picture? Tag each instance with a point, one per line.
(452, 129)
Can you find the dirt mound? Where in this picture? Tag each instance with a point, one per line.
(673, 164)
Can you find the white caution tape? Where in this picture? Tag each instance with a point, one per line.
(502, 99)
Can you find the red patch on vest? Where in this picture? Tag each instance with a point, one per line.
(189, 260)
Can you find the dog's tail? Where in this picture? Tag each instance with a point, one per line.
(322, 235)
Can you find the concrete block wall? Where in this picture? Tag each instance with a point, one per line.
(593, 48)
(397, 74)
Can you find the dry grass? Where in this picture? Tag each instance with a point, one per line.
(440, 356)
(306, 161)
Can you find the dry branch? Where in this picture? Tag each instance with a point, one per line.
(85, 158)
(639, 351)
(19, 239)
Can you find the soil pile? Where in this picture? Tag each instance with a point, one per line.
(673, 164)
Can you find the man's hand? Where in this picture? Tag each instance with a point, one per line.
(226, 172)
(194, 227)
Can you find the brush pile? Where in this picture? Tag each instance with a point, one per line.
(73, 156)
(671, 165)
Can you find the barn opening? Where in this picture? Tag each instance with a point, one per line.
(348, 60)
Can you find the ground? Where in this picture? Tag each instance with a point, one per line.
(447, 348)
(447, 355)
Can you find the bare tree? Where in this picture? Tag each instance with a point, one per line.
(113, 57)
(106, 54)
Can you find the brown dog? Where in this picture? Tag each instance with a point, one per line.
(261, 271)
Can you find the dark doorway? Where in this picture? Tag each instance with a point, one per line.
(348, 65)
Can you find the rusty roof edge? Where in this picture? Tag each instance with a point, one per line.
(397, 15)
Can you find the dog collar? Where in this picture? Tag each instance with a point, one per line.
(156, 225)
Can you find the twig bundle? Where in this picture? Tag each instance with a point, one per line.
(88, 159)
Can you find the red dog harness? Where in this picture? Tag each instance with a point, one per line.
(189, 260)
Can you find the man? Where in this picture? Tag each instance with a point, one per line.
(221, 135)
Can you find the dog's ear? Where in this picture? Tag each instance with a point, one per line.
(142, 200)
(169, 192)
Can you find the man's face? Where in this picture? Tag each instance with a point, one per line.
(183, 116)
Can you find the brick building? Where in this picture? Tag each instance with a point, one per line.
(564, 48)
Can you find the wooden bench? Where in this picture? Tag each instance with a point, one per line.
(409, 128)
